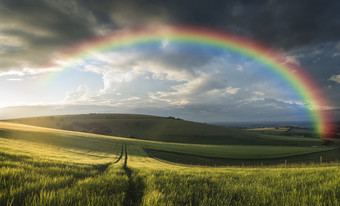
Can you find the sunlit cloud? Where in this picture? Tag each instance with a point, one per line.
(29, 71)
(14, 79)
(259, 93)
(335, 78)
(80, 94)
(239, 68)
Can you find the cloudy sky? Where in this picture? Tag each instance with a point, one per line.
(192, 82)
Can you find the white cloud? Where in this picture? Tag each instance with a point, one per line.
(119, 67)
(259, 93)
(29, 71)
(165, 44)
(239, 68)
(335, 78)
(224, 92)
(12, 73)
(186, 93)
(132, 98)
(203, 83)
(230, 90)
(82, 93)
(14, 79)
(291, 60)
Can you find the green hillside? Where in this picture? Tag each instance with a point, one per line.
(167, 129)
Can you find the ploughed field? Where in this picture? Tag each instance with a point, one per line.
(46, 166)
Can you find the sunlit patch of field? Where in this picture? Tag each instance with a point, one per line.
(55, 153)
(42, 166)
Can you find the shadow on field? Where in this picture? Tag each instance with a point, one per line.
(135, 191)
(197, 160)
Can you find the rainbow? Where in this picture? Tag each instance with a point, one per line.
(309, 92)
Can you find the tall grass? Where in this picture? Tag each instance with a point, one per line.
(308, 186)
(30, 180)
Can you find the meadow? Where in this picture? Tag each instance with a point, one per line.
(44, 166)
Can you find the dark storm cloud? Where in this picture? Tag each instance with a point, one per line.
(46, 27)
(284, 24)
(323, 64)
(40, 30)
(46, 17)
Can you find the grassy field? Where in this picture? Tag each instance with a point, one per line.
(42, 166)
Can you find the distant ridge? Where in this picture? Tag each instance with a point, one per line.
(155, 128)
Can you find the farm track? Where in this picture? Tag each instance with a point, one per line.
(135, 191)
(121, 154)
(102, 168)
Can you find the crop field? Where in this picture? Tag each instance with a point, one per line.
(44, 166)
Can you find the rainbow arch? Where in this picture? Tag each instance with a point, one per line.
(309, 92)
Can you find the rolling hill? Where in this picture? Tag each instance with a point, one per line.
(166, 129)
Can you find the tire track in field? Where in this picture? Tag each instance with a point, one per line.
(203, 161)
(135, 190)
(102, 168)
(121, 154)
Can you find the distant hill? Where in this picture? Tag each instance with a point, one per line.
(167, 129)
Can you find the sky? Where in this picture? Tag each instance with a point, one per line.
(192, 82)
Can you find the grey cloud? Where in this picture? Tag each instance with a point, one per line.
(284, 24)
(322, 66)
(48, 27)
(42, 29)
